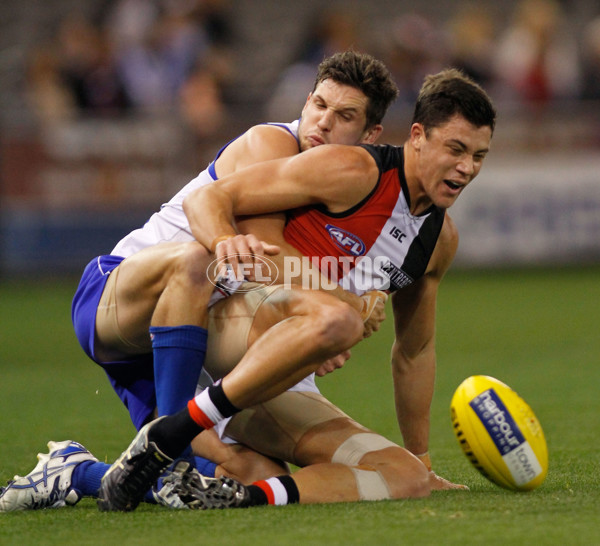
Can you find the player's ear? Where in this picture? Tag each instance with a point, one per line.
(417, 135)
(372, 134)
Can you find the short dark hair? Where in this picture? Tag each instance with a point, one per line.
(451, 92)
(364, 72)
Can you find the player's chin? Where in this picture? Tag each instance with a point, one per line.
(446, 200)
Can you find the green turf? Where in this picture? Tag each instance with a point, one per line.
(537, 331)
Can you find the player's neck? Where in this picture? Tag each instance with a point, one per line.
(417, 196)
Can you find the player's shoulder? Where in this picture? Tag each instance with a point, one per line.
(386, 156)
(449, 232)
(271, 134)
(445, 249)
(257, 144)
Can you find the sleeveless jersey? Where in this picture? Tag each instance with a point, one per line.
(377, 244)
(170, 224)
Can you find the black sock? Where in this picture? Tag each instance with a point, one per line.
(257, 496)
(262, 492)
(174, 433)
(220, 400)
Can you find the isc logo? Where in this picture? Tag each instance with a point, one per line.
(345, 240)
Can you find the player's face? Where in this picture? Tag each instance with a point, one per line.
(335, 114)
(449, 158)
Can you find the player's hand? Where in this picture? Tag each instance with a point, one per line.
(244, 254)
(333, 364)
(373, 311)
(437, 483)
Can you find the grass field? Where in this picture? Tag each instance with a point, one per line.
(537, 331)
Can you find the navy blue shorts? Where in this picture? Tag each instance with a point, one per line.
(133, 377)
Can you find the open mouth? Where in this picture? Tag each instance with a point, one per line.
(455, 186)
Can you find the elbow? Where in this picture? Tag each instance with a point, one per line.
(407, 357)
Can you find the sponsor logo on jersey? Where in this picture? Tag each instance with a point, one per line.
(498, 421)
(398, 278)
(346, 241)
(397, 234)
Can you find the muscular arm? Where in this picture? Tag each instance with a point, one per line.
(335, 176)
(413, 352)
(264, 143)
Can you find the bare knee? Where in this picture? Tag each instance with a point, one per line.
(191, 265)
(337, 326)
(415, 478)
(404, 475)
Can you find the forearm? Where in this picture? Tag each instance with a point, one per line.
(210, 215)
(414, 380)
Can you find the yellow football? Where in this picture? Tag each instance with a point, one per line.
(499, 433)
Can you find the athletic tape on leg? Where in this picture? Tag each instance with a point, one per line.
(371, 485)
(352, 450)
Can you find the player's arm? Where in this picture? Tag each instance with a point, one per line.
(335, 176)
(413, 360)
(413, 352)
(260, 143)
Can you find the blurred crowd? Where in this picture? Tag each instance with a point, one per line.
(137, 56)
(536, 57)
(177, 56)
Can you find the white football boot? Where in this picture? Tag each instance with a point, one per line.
(48, 485)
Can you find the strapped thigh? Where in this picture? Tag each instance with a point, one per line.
(229, 324)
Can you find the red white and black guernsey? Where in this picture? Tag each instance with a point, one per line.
(377, 244)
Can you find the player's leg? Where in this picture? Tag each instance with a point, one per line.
(341, 460)
(294, 331)
(235, 460)
(344, 461)
(156, 300)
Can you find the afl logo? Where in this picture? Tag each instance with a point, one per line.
(346, 241)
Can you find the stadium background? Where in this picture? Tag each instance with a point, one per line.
(97, 129)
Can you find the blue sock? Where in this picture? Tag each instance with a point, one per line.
(205, 467)
(87, 476)
(179, 353)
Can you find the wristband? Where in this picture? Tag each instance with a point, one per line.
(219, 239)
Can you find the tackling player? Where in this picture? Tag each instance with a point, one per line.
(154, 280)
